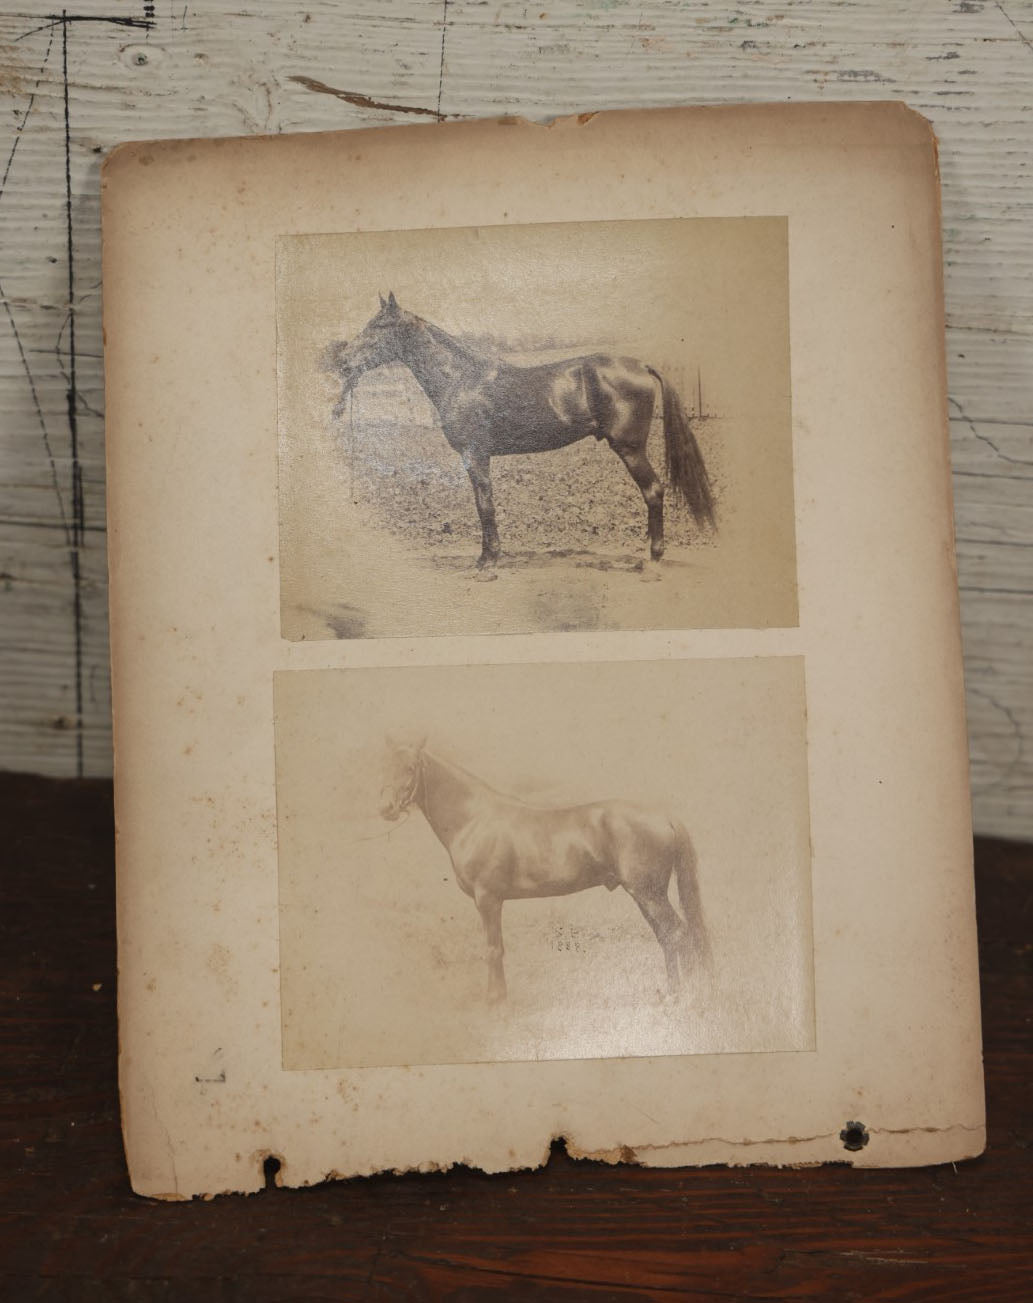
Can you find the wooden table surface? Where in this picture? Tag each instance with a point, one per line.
(70, 1228)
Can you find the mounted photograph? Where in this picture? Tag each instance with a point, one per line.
(543, 861)
(522, 429)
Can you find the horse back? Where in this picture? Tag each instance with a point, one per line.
(518, 850)
(518, 409)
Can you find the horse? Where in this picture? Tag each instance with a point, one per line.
(503, 848)
(488, 408)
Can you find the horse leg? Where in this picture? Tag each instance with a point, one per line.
(668, 928)
(490, 909)
(478, 467)
(641, 471)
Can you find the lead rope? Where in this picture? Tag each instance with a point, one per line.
(351, 446)
(419, 796)
(376, 836)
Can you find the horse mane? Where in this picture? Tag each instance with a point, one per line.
(483, 783)
(449, 341)
(457, 768)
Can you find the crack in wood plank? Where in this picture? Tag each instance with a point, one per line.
(362, 101)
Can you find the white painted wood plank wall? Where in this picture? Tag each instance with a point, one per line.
(112, 70)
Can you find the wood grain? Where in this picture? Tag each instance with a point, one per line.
(71, 1229)
(212, 68)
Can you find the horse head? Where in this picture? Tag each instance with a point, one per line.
(403, 776)
(380, 341)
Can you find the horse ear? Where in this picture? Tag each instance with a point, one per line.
(383, 301)
(392, 302)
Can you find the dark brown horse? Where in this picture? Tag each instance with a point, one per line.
(489, 409)
(503, 849)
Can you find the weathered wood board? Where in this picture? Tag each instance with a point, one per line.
(80, 81)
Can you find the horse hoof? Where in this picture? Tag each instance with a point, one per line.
(651, 572)
(486, 575)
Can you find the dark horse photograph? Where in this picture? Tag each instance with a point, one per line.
(489, 408)
(543, 861)
(593, 416)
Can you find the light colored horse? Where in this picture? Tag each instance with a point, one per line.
(503, 849)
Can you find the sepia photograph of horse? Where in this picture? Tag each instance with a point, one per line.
(505, 848)
(490, 408)
(594, 416)
(516, 862)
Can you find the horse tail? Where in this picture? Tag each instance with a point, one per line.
(686, 470)
(685, 864)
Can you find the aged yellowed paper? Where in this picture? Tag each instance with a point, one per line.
(535, 647)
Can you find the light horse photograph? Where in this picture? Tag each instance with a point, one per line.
(489, 408)
(543, 860)
(504, 848)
